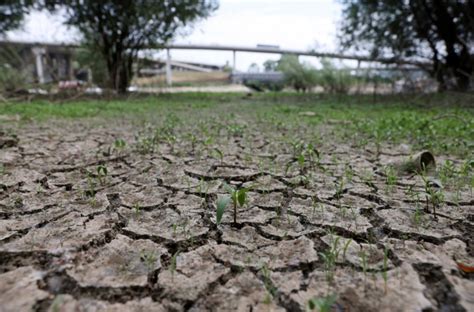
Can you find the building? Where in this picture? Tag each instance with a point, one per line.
(40, 62)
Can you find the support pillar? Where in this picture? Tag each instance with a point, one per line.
(169, 77)
(234, 62)
(39, 52)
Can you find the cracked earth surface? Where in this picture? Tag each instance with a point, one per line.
(144, 237)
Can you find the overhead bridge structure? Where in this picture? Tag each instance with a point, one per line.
(276, 50)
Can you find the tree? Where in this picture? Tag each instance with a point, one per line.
(119, 29)
(439, 30)
(12, 13)
(301, 76)
(270, 65)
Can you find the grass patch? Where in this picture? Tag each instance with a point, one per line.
(441, 122)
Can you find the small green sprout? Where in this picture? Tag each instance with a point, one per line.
(434, 194)
(385, 269)
(149, 258)
(119, 145)
(390, 178)
(136, 209)
(346, 246)
(222, 202)
(323, 304)
(173, 264)
(363, 260)
(219, 153)
(238, 197)
(271, 289)
(101, 174)
(330, 257)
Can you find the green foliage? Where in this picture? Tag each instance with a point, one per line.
(12, 13)
(332, 79)
(11, 79)
(417, 29)
(300, 76)
(86, 56)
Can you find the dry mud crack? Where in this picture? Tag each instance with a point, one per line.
(142, 235)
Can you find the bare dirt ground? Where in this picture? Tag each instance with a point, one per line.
(88, 224)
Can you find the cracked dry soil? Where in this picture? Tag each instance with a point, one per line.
(143, 236)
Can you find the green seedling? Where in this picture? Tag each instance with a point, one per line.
(222, 202)
(149, 258)
(193, 139)
(118, 145)
(348, 172)
(238, 197)
(363, 261)
(323, 304)
(219, 154)
(101, 174)
(434, 194)
(390, 178)
(339, 185)
(329, 258)
(91, 185)
(173, 264)
(385, 269)
(136, 210)
(418, 216)
(271, 289)
(346, 246)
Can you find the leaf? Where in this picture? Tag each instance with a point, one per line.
(465, 268)
(301, 160)
(222, 202)
(241, 196)
(228, 188)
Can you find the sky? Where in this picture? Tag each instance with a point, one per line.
(290, 24)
